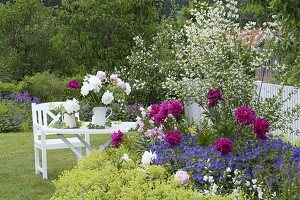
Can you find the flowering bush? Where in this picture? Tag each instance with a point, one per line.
(161, 121)
(102, 90)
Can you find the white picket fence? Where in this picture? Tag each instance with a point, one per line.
(194, 112)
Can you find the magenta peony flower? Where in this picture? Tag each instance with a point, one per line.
(74, 84)
(224, 145)
(244, 115)
(160, 117)
(211, 104)
(261, 127)
(116, 138)
(153, 110)
(175, 108)
(173, 137)
(183, 177)
(214, 95)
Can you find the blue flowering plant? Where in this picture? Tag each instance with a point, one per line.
(15, 111)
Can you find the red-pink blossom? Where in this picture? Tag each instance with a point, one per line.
(224, 145)
(261, 127)
(173, 137)
(116, 138)
(74, 84)
(154, 109)
(244, 115)
(214, 95)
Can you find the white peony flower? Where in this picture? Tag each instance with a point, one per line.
(71, 106)
(85, 89)
(107, 97)
(95, 83)
(126, 157)
(128, 89)
(148, 157)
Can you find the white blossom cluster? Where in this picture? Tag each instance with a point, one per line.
(213, 56)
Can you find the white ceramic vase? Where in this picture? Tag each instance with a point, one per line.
(69, 120)
(99, 115)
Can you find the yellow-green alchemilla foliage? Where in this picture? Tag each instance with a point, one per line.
(105, 176)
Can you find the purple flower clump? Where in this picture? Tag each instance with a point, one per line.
(263, 156)
(244, 115)
(25, 96)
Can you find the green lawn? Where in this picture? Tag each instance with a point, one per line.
(17, 176)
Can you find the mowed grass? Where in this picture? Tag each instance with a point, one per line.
(17, 175)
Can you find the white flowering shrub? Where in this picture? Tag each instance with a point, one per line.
(150, 65)
(213, 54)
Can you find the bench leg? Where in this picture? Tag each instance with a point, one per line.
(37, 160)
(44, 164)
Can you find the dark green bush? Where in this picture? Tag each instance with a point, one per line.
(26, 31)
(48, 87)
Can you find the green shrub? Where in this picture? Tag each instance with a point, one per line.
(103, 176)
(7, 88)
(48, 87)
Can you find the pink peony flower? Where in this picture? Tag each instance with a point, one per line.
(261, 127)
(173, 137)
(114, 77)
(74, 84)
(214, 95)
(121, 84)
(154, 109)
(101, 75)
(160, 117)
(183, 177)
(175, 108)
(211, 104)
(224, 145)
(116, 138)
(244, 115)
